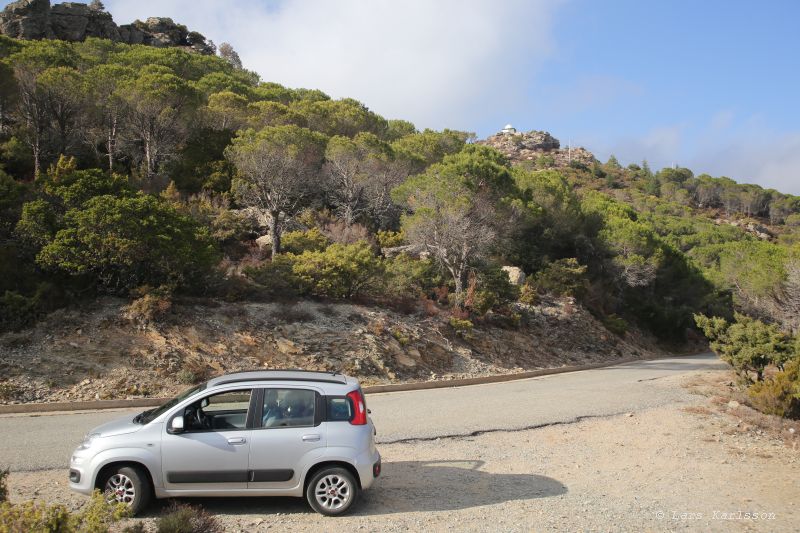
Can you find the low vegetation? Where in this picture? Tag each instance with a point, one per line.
(96, 516)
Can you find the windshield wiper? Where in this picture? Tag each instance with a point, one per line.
(139, 419)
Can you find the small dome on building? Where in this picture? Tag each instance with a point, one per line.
(508, 129)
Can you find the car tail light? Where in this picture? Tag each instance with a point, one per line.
(359, 408)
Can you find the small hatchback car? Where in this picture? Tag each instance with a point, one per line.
(262, 433)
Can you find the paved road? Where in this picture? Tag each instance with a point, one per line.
(44, 441)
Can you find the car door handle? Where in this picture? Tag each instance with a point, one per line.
(237, 440)
(310, 438)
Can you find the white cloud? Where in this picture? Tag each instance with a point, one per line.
(444, 63)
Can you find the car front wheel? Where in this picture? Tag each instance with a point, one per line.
(332, 491)
(129, 485)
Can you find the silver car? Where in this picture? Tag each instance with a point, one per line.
(263, 433)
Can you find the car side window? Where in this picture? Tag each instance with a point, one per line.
(288, 408)
(218, 412)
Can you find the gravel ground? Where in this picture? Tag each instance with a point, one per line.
(676, 467)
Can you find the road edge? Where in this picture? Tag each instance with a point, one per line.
(29, 408)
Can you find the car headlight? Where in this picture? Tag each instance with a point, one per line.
(88, 440)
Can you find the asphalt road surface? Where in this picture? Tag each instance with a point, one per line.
(44, 441)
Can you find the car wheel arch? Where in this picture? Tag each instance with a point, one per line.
(101, 473)
(330, 464)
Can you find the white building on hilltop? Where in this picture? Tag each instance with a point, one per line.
(508, 130)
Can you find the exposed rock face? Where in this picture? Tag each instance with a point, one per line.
(530, 146)
(26, 19)
(72, 21)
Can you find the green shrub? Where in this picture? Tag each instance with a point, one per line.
(565, 277)
(780, 394)
(615, 324)
(183, 518)
(229, 226)
(545, 161)
(401, 337)
(277, 277)
(406, 277)
(490, 289)
(461, 326)
(748, 345)
(297, 242)
(390, 239)
(340, 271)
(528, 294)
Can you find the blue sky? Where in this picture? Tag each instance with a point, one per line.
(708, 84)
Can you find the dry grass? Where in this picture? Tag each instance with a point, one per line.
(725, 397)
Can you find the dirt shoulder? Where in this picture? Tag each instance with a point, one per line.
(684, 466)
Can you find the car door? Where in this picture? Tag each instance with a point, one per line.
(212, 453)
(288, 433)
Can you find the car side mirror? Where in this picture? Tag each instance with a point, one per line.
(176, 425)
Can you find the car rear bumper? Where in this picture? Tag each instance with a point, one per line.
(366, 468)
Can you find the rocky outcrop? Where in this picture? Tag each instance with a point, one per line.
(538, 147)
(72, 21)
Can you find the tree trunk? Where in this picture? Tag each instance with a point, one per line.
(459, 289)
(37, 165)
(148, 167)
(274, 235)
(111, 143)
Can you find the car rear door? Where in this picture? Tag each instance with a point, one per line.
(288, 433)
(212, 453)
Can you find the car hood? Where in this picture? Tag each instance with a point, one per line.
(120, 426)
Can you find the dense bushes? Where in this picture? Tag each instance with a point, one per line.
(130, 241)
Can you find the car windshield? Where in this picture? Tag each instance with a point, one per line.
(147, 416)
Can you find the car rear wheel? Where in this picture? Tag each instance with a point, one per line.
(129, 485)
(332, 491)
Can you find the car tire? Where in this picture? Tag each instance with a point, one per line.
(332, 491)
(129, 485)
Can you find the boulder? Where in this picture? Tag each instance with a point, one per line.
(515, 275)
(265, 241)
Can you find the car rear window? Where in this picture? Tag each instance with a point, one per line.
(340, 409)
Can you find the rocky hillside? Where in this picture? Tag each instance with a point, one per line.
(72, 21)
(96, 352)
(520, 147)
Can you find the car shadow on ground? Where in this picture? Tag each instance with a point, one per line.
(407, 486)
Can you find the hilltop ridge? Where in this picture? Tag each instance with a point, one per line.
(73, 21)
(537, 146)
